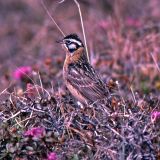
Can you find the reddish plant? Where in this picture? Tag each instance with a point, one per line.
(21, 72)
(36, 132)
(52, 156)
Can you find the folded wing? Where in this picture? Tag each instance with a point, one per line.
(84, 78)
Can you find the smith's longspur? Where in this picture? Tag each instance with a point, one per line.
(81, 79)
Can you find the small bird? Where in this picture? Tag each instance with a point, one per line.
(80, 77)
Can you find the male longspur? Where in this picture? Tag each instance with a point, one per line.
(80, 77)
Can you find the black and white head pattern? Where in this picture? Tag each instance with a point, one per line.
(72, 42)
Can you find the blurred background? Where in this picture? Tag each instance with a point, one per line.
(122, 37)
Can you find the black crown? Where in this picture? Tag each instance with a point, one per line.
(73, 36)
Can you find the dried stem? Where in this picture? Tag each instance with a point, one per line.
(155, 62)
(44, 6)
(84, 35)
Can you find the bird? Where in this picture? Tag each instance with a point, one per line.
(81, 79)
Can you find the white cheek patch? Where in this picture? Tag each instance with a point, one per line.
(72, 46)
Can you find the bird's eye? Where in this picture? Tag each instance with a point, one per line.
(68, 42)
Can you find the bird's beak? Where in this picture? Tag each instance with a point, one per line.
(60, 41)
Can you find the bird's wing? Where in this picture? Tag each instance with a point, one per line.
(84, 79)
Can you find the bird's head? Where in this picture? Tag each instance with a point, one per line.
(71, 43)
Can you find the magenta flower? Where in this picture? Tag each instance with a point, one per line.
(36, 132)
(155, 115)
(52, 156)
(21, 72)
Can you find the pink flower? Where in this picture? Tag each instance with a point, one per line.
(36, 132)
(52, 156)
(155, 115)
(21, 72)
(133, 22)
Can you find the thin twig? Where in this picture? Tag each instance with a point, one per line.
(4, 90)
(13, 116)
(84, 35)
(44, 6)
(133, 95)
(155, 62)
(27, 119)
(113, 130)
(18, 123)
(41, 84)
(122, 99)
